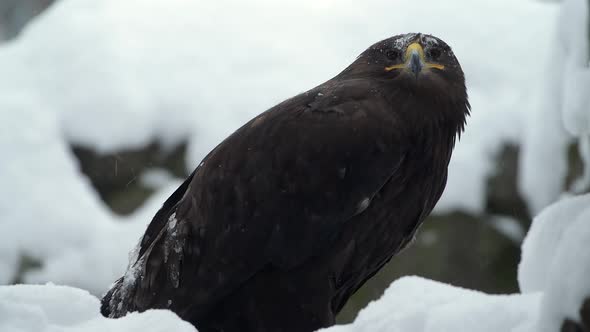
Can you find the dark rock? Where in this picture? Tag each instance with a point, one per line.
(502, 195)
(570, 325)
(115, 176)
(15, 14)
(25, 263)
(575, 168)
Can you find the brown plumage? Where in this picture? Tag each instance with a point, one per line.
(285, 219)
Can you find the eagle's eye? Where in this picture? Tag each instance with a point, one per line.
(433, 53)
(393, 54)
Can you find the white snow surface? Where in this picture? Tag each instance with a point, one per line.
(421, 305)
(556, 259)
(509, 227)
(574, 39)
(51, 308)
(563, 111)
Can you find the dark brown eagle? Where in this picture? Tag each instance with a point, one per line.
(285, 219)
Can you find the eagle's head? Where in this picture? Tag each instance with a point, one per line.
(413, 59)
(417, 67)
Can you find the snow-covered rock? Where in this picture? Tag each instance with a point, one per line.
(563, 111)
(421, 305)
(50, 308)
(574, 39)
(556, 260)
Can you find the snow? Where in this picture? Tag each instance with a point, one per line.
(34, 214)
(174, 240)
(156, 178)
(555, 258)
(510, 227)
(102, 258)
(49, 212)
(573, 34)
(421, 305)
(563, 110)
(36, 308)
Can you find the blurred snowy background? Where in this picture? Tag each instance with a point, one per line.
(106, 105)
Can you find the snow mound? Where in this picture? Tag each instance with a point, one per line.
(51, 213)
(562, 111)
(573, 33)
(34, 308)
(556, 259)
(420, 305)
(39, 185)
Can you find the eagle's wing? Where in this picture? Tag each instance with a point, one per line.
(274, 192)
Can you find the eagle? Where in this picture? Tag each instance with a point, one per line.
(288, 216)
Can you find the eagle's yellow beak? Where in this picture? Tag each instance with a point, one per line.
(414, 60)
